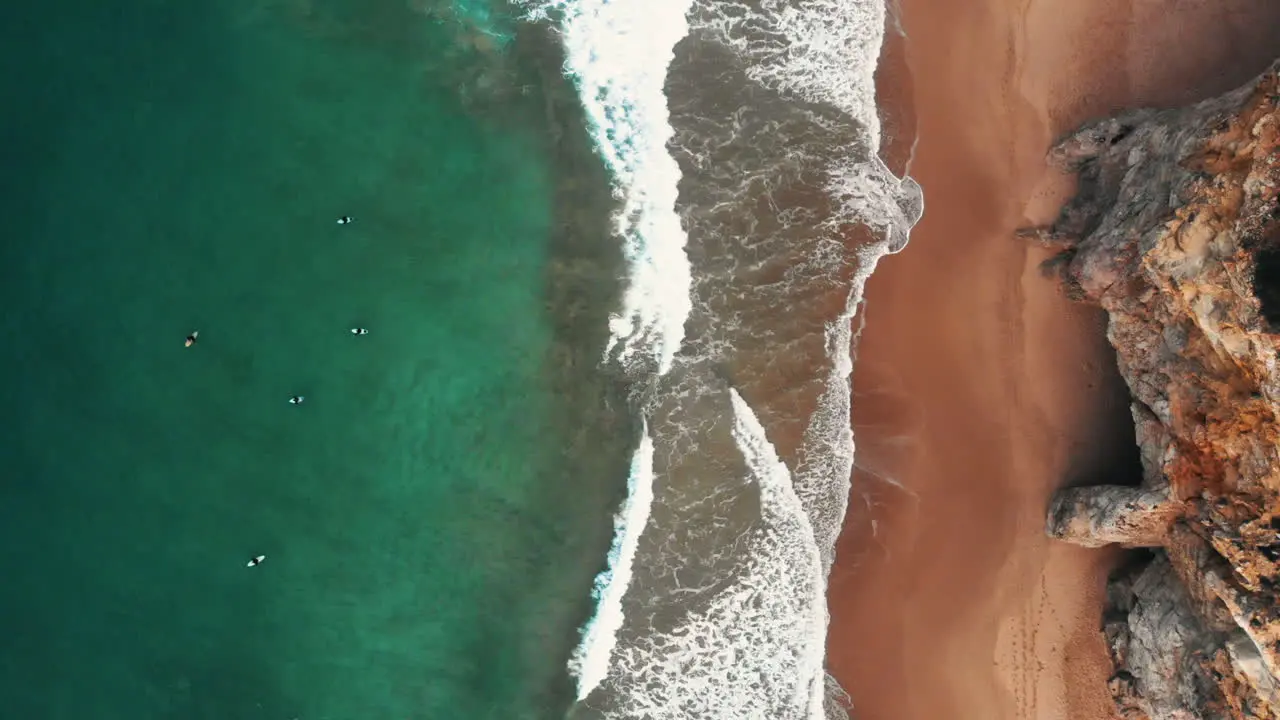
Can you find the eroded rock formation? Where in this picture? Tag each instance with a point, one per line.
(1175, 232)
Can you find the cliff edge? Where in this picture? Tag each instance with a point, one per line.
(1175, 232)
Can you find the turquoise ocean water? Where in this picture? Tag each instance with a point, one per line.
(433, 514)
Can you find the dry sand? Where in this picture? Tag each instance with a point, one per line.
(979, 389)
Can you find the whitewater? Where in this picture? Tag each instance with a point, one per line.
(742, 140)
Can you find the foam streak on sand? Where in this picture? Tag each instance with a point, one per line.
(618, 52)
(591, 660)
(824, 52)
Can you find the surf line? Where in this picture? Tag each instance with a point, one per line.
(618, 52)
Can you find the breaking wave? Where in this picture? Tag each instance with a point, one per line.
(742, 138)
(618, 54)
(590, 662)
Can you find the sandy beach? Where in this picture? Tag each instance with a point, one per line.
(979, 389)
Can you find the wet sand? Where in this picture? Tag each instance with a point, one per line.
(979, 389)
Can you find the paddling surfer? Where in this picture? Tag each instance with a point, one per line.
(255, 561)
(297, 399)
(191, 339)
(359, 331)
(346, 220)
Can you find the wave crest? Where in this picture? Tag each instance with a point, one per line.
(618, 53)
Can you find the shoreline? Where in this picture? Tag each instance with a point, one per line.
(979, 389)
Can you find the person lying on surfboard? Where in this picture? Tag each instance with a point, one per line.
(191, 339)
(256, 560)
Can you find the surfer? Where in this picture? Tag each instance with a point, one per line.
(191, 339)
(256, 560)
(297, 399)
(359, 331)
(345, 220)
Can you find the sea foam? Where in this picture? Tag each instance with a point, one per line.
(590, 661)
(618, 52)
(825, 52)
(752, 645)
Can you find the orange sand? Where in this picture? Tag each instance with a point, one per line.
(979, 390)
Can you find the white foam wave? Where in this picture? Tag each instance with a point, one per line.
(754, 651)
(823, 51)
(868, 191)
(752, 646)
(822, 482)
(618, 53)
(791, 550)
(826, 52)
(590, 661)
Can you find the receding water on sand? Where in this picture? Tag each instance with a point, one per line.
(434, 513)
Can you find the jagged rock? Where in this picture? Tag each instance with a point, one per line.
(1165, 649)
(1175, 232)
(1248, 662)
(1237, 699)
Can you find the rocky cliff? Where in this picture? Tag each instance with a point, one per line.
(1175, 232)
